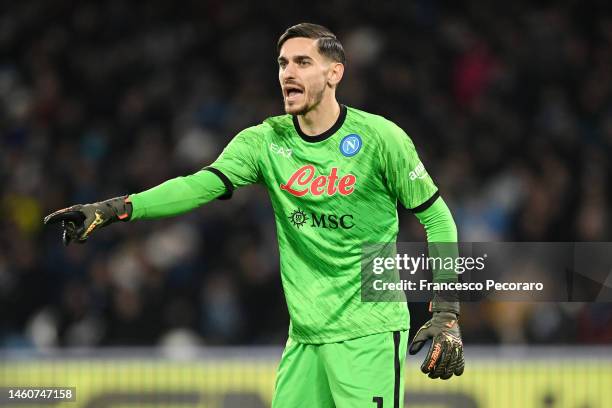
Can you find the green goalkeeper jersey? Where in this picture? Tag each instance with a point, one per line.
(331, 194)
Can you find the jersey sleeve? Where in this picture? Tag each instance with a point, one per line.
(405, 175)
(239, 163)
(176, 196)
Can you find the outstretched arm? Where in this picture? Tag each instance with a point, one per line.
(238, 165)
(179, 195)
(173, 197)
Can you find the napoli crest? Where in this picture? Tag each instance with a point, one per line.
(350, 145)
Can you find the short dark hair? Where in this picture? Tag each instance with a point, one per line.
(327, 43)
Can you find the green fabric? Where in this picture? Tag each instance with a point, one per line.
(441, 236)
(327, 205)
(438, 222)
(177, 196)
(348, 374)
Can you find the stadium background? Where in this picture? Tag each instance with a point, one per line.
(509, 105)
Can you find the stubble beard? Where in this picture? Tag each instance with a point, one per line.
(318, 97)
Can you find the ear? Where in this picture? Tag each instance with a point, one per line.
(334, 75)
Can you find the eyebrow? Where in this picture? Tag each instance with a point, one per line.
(295, 58)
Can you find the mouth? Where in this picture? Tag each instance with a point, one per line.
(292, 92)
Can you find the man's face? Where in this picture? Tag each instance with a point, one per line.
(303, 75)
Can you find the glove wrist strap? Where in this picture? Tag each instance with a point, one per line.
(121, 207)
(445, 301)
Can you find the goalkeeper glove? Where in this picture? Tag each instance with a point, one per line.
(79, 221)
(445, 355)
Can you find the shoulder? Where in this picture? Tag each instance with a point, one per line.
(363, 116)
(254, 137)
(270, 125)
(278, 124)
(383, 129)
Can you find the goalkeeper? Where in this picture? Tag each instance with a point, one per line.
(334, 175)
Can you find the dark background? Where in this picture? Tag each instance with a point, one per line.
(509, 105)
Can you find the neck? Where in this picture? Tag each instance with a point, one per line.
(320, 118)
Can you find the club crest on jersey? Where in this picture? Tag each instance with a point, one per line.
(303, 181)
(350, 145)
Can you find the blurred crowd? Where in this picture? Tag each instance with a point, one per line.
(508, 103)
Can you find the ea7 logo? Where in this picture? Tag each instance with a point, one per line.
(419, 172)
(283, 151)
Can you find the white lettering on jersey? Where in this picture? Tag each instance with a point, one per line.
(418, 172)
(283, 151)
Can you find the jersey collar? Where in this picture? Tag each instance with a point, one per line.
(325, 135)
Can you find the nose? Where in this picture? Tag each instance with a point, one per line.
(288, 72)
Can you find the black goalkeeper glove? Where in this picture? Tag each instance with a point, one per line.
(79, 221)
(445, 355)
